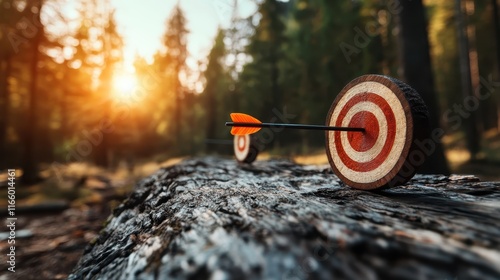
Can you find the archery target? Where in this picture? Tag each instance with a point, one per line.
(373, 158)
(244, 149)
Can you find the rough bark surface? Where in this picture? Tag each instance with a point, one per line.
(211, 218)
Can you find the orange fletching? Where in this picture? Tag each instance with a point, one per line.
(243, 118)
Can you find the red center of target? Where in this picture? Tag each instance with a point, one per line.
(242, 142)
(389, 142)
(362, 142)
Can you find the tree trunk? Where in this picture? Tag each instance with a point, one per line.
(178, 118)
(496, 23)
(211, 119)
(417, 72)
(471, 130)
(63, 107)
(214, 219)
(29, 164)
(101, 157)
(5, 68)
(102, 149)
(487, 114)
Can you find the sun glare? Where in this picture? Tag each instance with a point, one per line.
(125, 87)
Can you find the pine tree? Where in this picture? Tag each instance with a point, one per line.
(214, 77)
(111, 55)
(174, 65)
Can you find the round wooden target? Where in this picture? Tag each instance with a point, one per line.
(393, 116)
(244, 149)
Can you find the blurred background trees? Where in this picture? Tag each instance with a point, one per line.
(65, 96)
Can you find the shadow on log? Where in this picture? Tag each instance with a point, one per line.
(214, 219)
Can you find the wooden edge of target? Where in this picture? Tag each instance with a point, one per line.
(253, 152)
(415, 130)
(420, 130)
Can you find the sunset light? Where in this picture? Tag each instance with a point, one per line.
(125, 87)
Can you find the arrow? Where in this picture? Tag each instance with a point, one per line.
(245, 124)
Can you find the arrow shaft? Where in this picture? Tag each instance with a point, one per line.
(296, 126)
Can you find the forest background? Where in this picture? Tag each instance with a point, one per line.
(66, 96)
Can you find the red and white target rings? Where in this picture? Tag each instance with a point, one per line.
(244, 149)
(393, 115)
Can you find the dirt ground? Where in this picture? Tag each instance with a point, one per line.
(48, 245)
(54, 244)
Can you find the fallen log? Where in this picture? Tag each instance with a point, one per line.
(213, 218)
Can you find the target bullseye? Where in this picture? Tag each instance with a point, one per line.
(362, 142)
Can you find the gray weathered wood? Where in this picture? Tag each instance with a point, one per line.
(214, 219)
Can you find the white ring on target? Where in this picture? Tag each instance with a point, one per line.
(382, 135)
(241, 155)
(399, 140)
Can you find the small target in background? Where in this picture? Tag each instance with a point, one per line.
(245, 149)
(393, 115)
